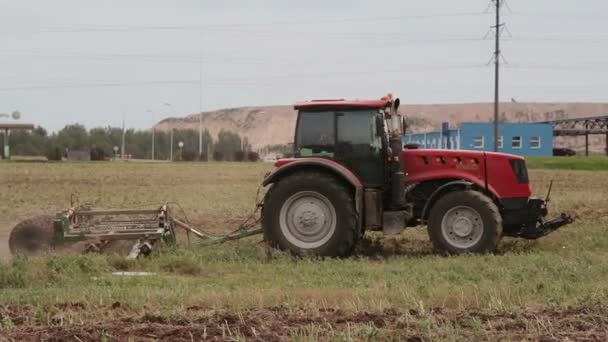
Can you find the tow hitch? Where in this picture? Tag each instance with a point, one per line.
(546, 227)
(534, 225)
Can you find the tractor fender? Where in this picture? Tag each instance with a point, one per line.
(291, 165)
(458, 184)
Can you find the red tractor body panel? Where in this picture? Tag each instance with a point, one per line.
(501, 178)
(491, 171)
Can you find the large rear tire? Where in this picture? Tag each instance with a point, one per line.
(311, 213)
(465, 222)
(32, 237)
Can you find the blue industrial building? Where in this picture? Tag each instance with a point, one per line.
(524, 139)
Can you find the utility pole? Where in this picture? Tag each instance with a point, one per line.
(200, 109)
(172, 111)
(153, 140)
(497, 27)
(153, 132)
(171, 146)
(122, 145)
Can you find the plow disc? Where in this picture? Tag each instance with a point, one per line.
(32, 237)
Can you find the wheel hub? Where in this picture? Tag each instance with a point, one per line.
(307, 219)
(462, 227)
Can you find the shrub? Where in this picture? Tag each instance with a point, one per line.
(253, 156)
(239, 156)
(97, 153)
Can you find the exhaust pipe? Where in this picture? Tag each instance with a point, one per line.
(396, 164)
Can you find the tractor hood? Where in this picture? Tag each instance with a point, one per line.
(504, 175)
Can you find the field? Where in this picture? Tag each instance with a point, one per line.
(393, 289)
(593, 163)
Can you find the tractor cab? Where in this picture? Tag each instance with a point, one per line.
(353, 133)
(349, 133)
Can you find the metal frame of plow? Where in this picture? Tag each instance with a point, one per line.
(207, 239)
(144, 226)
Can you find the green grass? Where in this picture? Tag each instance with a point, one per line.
(563, 269)
(593, 163)
(238, 275)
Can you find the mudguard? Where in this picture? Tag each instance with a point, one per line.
(288, 166)
(435, 195)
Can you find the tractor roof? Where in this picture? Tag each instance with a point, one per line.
(344, 104)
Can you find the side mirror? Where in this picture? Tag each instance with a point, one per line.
(403, 125)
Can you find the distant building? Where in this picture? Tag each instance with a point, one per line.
(524, 139)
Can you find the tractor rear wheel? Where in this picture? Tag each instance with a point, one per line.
(32, 237)
(465, 222)
(311, 213)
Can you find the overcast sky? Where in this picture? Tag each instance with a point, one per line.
(93, 62)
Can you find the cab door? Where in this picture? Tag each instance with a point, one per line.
(359, 146)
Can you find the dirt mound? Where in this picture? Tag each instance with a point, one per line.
(271, 125)
(119, 323)
(261, 126)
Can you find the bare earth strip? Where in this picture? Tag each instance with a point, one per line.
(282, 323)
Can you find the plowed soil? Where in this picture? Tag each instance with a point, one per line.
(77, 322)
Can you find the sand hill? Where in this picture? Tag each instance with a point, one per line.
(271, 125)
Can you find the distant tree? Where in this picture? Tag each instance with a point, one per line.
(189, 154)
(218, 156)
(103, 139)
(73, 137)
(239, 156)
(190, 138)
(253, 156)
(29, 143)
(228, 143)
(97, 153)
(55, 153)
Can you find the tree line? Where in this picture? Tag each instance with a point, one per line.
(100, 142)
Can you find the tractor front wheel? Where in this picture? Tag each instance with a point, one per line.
(311, 213)
(465, 222)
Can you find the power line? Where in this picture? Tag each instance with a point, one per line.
(128, 28)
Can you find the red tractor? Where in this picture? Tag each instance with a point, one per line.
(351, 174)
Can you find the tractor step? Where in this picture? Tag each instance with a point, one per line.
(394, 222)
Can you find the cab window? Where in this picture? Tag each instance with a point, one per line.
(316, 134)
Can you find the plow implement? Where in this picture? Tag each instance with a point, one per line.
(86, 230)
